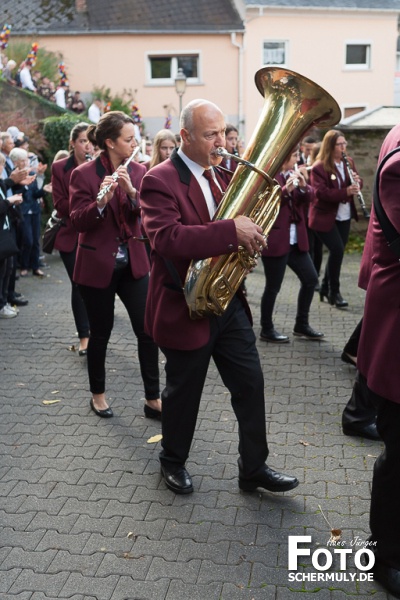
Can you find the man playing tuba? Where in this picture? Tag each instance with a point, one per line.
(178, 199)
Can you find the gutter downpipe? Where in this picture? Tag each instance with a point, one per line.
(241, 124)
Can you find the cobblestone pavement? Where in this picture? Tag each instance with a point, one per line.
(84, 513)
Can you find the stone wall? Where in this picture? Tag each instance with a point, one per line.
(34, 108)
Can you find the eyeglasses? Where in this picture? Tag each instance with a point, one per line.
(341, 144)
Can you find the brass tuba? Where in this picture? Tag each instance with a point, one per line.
(292, 105)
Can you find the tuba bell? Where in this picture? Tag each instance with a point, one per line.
(292, 105)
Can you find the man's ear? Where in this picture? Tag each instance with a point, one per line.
(185, 135)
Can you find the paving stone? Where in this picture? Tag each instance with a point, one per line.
(84, 511)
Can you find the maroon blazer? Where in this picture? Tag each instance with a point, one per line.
(177, 223)
(377, 358)
(61, 171)
(278, 243)
(99, 232)
(327, 197)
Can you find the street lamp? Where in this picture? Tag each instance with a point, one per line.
(180, 86)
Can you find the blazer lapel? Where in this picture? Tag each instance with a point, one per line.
(195, 195)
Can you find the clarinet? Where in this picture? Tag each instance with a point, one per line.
(359, 195)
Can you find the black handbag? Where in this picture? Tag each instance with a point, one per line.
(8, 245)
(53, 226)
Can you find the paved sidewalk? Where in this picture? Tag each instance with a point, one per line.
(84, 513)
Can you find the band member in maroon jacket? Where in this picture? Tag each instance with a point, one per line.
(110, 258)
(378, 365)
(178, 200)
(288, 245)
(67, 237)
(332, 209)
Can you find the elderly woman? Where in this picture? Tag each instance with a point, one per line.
(8, 72)
(31, 209)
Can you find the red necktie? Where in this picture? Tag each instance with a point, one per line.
(216, 192)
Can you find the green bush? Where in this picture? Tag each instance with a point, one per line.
(56, 131)
(355, 243)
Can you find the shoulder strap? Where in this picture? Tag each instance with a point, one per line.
(390, 233)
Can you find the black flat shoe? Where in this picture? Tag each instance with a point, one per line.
(177, 479)
(271, 335)
(106, 413)
(151, 413)
(269, 480)
(368, 432)
(337, 300)
(307, 332)
(82, 352)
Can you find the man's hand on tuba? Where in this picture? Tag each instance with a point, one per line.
(249, 235)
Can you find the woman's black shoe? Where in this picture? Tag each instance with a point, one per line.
(106, 413)
(337, 300)
(271, 335)
(151, 413)
(323, 293)
(82, 352)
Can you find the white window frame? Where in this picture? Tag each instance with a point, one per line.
(173, 54)
(361, 66)
(286, 50)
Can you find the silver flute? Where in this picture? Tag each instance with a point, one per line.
(115, 176)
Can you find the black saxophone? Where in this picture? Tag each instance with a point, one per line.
(359, 195)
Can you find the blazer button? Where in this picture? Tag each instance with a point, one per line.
(114, 254)
(230, 247)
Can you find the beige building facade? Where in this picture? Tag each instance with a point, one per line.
(139, 46)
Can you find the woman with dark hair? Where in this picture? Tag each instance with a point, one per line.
(80, 151)
(163, 146)
(332, 209)
(110, 257)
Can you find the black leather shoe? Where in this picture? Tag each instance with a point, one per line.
(177, 479)
(18, 301)
(307, 332)
(106, 413)
(269, 480)
(151, 413)
(82, 352)
(368, 432)
(337, 300)
(388, 577)
(271, 335)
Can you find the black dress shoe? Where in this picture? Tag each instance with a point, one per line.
(18, 301)
(271, 335)
(106, 413)
(151, 413)
(388, 577)
(177, 479)
(82, 352)
(369, 432)
(307, 332)
(337, 300)
(269, 480)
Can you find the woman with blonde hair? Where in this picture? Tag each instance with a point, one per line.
(163, 146)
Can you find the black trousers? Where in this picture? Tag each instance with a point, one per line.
(100, 309)
(274, 269)
(335, 240)
(384, 512)
(315, 249)
(77, 304)
(233, 349)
